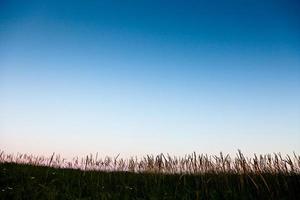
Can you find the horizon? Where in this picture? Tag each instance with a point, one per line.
(149, 77)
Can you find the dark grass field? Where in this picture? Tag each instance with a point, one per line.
(20, 181)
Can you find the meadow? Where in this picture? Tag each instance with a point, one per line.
(194, 176)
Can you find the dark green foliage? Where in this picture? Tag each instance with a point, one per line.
(19, 181)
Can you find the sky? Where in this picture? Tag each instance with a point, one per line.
(146, 77)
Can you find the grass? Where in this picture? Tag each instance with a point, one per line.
(152, 177)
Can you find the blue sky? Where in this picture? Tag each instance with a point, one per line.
(138, 77)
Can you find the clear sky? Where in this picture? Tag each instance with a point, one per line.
(137, 77)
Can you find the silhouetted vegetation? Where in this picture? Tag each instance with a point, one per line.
(152, 177)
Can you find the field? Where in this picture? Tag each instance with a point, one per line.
(152, 177)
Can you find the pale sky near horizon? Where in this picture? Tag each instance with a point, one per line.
(145, 77)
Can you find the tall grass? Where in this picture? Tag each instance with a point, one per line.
(194, 176)
(189, 164)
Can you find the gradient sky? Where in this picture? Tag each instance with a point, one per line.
(138, 77)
